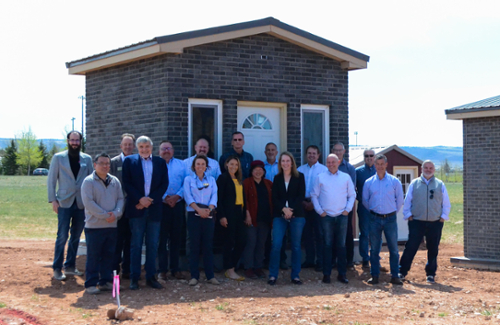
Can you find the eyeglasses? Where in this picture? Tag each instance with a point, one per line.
(74, 140)
(165, 149)
(205, 185)
(366, 156)
(237, 139)
(432, 194)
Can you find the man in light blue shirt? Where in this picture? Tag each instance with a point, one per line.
(202, 148)
(333, 197)
(312, 233)
(173, 214)
(339, 150)
(271, 163)
(383, 197)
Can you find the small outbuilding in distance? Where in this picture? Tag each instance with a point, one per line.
(481, 145)
(271, 81)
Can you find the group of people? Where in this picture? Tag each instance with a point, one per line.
(132, 199)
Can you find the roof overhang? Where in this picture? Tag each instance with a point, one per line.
(349, 59)
(463, 114)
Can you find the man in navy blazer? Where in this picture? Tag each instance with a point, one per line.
(145, 179)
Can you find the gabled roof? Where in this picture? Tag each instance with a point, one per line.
(483, 108)
(357, 159)
(350, 59)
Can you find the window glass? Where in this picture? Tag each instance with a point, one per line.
(313, 133)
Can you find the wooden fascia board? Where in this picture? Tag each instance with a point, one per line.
(351, 62)
(143, 53)
(475, 114)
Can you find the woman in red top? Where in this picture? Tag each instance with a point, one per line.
(258, 219)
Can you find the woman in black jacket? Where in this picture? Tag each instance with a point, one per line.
(289, 190)
(230, 211)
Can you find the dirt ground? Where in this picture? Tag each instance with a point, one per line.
(29, 295)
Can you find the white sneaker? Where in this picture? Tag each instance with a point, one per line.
(193, 282)
(72, 271)
(213, 281)
(430, 279)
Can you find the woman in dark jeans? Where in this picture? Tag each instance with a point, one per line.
(230, 211)
(289, 190)
(259, 211)
(200, 194)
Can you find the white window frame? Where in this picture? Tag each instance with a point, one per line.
(326, 124)
(218, 123)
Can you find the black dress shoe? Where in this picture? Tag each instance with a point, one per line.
(343, 279)
(396, 281)
(307, 265)
(271, 282)
(297, 281)
(326, 279)
(134, 285)
(153, 283)
(373, 280)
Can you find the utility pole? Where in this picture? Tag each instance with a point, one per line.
(83, 138)
(356, 134)
(73, 124)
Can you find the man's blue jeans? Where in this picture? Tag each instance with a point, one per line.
(279, 228)
(390, 228)
(151, 229)
(364, 232)
(418, 229)
(101, 245)
(334, 228)
(313, 238)
(69, 220)
(201, 238)
(170, 237)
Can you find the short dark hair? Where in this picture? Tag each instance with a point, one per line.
(380, 157)
(313, 146)
(199, 157)
(102, 154)
(130, 135)
(74, 131)
(165, 141)
(237, 132)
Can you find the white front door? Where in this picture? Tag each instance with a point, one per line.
(260, 125)
(405, 174)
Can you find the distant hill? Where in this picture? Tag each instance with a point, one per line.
(4, 143)
(438, 154)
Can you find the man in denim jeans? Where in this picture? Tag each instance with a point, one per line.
(383, 197)
(67, 170)
(333, 197)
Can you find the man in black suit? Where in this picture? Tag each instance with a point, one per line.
(145, 179)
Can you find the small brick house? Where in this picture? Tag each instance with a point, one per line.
(481, 145)
(272, 81)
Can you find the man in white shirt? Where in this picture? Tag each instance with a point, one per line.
(427, 206)
(312, 234)
(333, 197)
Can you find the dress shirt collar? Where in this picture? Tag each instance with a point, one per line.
(122, 156)
(425, 180)
(336, 174)
(315, 164)
(266, 163)
(385, 175)
(148, 158)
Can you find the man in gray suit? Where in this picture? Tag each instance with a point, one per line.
(68, 169)
(122, 252)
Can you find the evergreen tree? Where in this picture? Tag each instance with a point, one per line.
(9, 161)
(28, 154)
(55, 149)
(45, 155)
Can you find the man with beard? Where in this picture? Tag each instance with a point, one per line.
(122, 253)
(427, 206)
(67, 170)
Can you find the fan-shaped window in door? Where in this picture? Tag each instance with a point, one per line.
(257, 122)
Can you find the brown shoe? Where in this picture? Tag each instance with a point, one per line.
(384, 269)
(250, 274)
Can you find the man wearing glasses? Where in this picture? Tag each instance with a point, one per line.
(427, 206)
(238, 141)
(362, 174)
(173, 214)
(68, 169)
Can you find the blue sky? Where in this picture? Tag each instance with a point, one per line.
(425, 57)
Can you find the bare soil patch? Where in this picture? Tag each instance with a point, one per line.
(460, 296)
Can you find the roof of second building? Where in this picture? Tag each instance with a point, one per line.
(356, 154)
(483, 108)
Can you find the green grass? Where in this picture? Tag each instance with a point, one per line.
(24, 209)
(453, 230)
(2, 305)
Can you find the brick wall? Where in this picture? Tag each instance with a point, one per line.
(481, 187)
(150, 96)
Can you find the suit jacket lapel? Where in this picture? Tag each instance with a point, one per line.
(67, 165)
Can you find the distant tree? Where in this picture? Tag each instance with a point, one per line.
(28, 154)
(45, 155)
(55, 149)
(9, 160)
